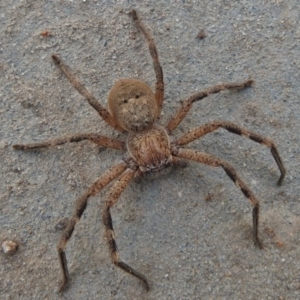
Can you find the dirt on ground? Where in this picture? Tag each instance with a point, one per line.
(189, 232)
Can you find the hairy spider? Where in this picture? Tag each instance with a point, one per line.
(134, 109)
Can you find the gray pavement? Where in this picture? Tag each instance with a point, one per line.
(188, 232)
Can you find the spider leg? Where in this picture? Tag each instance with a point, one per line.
(213, 161)
(200, 131)
(80, 206)
(187, 103)
(159, 87)
(113, 195)
(95, 138)
(105, 115)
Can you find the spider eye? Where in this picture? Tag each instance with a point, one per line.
(137, 96)
(125, 101)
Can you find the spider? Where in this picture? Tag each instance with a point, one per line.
(134, 109)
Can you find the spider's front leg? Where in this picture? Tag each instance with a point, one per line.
(113, 196)
(80, 207)
(213, 161)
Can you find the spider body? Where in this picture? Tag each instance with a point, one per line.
(132, 104)
(150, 147)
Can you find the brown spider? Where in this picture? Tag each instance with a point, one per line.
(133, 108)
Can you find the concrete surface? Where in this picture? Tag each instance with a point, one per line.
(189, 232)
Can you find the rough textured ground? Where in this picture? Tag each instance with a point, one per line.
(189, 232)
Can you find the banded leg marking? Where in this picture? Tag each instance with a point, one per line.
(80, 207)
(95, 138)
(105, 115)
(113, 196)
(159, 88)
(187, 103)
(233, 128)
(210, 160)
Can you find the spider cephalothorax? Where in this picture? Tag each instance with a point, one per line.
(135, 109)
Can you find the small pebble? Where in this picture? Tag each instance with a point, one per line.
(9, 247)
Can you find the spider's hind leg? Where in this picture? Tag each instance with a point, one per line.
(188, 103)
(105, 115)
(159, 87)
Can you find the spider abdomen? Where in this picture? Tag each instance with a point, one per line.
(150, 149)
(133, 105)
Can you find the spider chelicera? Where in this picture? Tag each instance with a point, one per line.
(134, 109)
